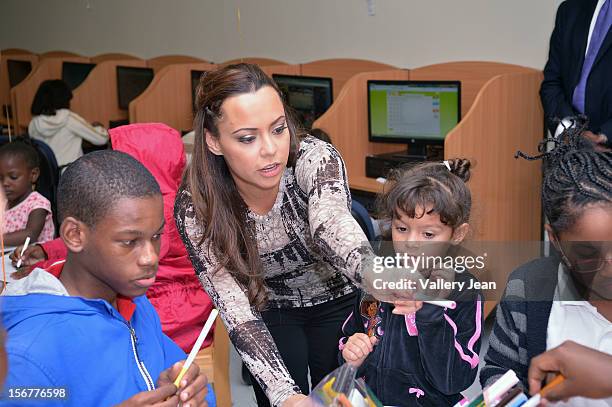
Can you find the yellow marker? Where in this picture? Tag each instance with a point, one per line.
(197, 346)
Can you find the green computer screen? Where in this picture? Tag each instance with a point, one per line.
(412, 110)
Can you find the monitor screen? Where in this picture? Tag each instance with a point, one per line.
(411, 111)
(195, 80)
(17, 71)
(309, 96)
(74, 73)
(131, 82)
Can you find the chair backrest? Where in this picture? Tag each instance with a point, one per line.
(362, 217)
(49, 176)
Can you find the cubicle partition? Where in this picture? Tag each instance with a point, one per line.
(160, 62)
(254, 60)
(153, 105)
(168, 99)
(472, 74)
(5, 94)
(113, 56)
(61, 54)
(284, 69)
(96, 99)
(341, 70)
(22, 95)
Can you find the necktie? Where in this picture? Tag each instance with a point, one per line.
(602, 25)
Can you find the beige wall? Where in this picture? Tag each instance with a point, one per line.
(405, 33)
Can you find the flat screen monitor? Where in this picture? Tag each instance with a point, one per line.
(195, 80)
(17, 71)
(309, 96)
(74, 73)
(131, 82)
(412, 112)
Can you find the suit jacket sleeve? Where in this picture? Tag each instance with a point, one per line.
(552, 93)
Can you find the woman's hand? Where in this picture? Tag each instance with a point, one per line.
(297, 400)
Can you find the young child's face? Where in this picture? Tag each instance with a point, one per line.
(123, 248)
(587, 247)
(427, 228)
(17, 178)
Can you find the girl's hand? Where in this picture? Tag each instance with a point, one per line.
(32, 255)
(357, 348)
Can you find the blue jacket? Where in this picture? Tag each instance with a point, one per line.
(83, 345)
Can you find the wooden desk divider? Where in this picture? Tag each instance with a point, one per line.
(168, 98)
(96, 98)
(285, 69)
(16, 51)
(160, 62)
(179, 116)
(60, 54)
(341, 70)
(346, 122)
(254, 60)
(22, 95)
(5, 92)
(113, 56)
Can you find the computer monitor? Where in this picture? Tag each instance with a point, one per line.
(131, 82)
(17, 71)
(309, 96)
(195, 80)
(74, 73)
(416, 113)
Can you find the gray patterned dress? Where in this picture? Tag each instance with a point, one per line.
(310, 247)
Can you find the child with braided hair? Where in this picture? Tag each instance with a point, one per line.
(564, 297)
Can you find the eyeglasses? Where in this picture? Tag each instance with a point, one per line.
(587, 257)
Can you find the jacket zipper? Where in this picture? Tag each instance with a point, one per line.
(381, 357)
(141, 366)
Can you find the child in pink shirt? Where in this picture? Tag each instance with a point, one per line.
(28, 212)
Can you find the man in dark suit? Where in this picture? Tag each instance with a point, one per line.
(578, 74)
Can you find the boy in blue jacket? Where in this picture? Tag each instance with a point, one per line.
(82, 332)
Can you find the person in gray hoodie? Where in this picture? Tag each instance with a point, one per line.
(54, 123)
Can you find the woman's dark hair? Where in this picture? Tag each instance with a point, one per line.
(575, 176)
(321, 135)
(217, 203)
(51, 95)
(429, 185)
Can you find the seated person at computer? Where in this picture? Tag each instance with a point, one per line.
(63, 130)
(84, 324)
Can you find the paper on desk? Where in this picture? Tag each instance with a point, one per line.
(8, 268)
